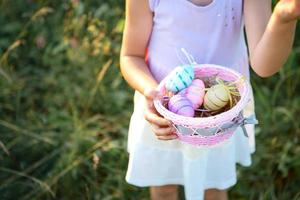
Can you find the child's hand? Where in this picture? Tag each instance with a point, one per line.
(287, 10)
(162, 128)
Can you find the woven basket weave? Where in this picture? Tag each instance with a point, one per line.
(213, 130)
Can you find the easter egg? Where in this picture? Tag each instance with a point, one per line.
(195, 93)
(180, 78)
(181, 105)
(216, 98)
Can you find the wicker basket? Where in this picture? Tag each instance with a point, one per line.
(213, 130)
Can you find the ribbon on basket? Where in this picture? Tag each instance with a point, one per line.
(248, 120)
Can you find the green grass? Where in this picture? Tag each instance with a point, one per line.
(65, 109)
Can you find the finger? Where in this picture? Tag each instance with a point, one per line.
(163, 131)
(157, 120)
(169, 137)
(154, 111)
(150, 105)
(156, 127)
(150, 95)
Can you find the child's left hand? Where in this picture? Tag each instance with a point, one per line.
(287, 10)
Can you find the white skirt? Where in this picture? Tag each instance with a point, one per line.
(153, 162)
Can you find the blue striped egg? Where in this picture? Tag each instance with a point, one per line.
(180, 78)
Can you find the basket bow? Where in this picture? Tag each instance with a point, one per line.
(248, 120)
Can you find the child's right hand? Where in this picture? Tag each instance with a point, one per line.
(162, 128)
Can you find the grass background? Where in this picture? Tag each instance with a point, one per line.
(61, 94)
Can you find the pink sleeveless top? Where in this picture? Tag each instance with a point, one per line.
(212, 34)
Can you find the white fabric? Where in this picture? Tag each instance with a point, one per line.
(214, 169)
(195, 168)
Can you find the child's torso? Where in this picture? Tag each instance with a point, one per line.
(210, 30)
(201, 2)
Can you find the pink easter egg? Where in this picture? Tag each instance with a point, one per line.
(195, 93)
(181, 105)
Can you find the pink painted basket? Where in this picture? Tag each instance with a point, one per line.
(210, 131)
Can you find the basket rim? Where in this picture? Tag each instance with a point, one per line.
(206, 122)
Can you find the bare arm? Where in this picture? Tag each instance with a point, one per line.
(270, 36)
(138, 28)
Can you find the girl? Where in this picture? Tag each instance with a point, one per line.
(213, 32)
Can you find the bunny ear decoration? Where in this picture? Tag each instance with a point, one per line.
(182, 76)
(188, 56)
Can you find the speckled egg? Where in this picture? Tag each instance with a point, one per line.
(180, 78)
(181, 105)
(216, 98)
(195, 93)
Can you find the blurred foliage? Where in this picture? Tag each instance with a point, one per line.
(64, 108)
